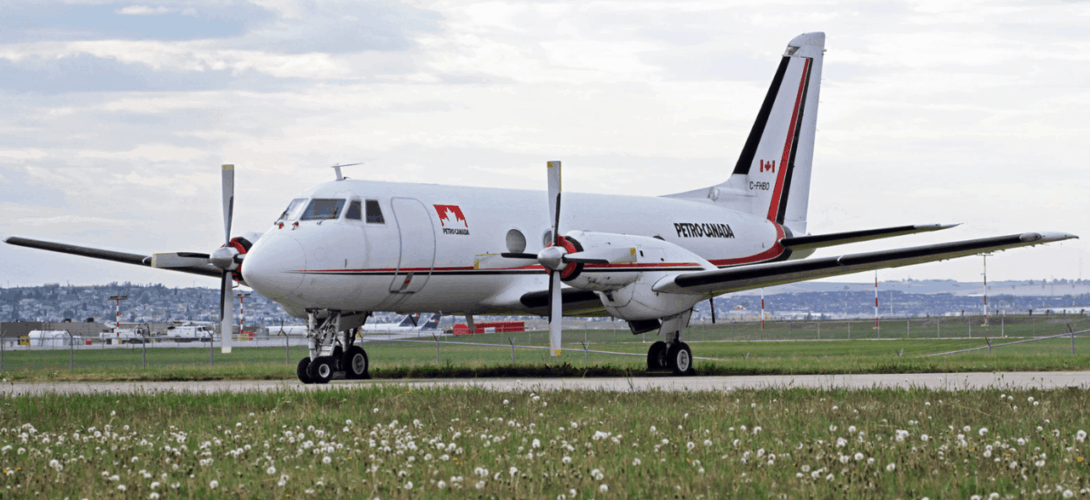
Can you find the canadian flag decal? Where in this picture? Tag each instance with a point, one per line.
(451, 216)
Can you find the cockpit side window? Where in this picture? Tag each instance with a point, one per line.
(354, 211)
(322, 208)
(374, 213)
(293, 209)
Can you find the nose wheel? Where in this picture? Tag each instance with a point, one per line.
(332, 358)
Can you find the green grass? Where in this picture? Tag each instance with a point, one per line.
(458, 360)
(378, 440)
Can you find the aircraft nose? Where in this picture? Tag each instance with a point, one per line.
(273, 266)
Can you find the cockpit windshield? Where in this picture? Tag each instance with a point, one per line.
(293, 210)
(320, 209)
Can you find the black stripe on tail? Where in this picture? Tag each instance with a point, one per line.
(750, 149)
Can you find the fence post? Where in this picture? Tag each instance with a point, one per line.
(586, 354)
(436, 347)
(1072, 338)
(989, 344)
(287, 352)
(1003, 326)
(970, 327)
(849, 330)
(144, 344)
(938, 327)
(908, 328)
(819, 329)
(212, 348)
(71, 353)
(512, 342)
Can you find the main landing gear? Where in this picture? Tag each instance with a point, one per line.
(332, 357)
(672, 355)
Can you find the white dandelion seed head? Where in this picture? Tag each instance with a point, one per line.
(603, 489)
(891, 467)
(214, 484)
(858, 456)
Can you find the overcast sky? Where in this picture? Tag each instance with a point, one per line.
(115, 116)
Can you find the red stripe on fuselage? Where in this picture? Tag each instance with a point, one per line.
(774, 206)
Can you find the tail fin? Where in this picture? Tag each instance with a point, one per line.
(433, 322)
(772, 175)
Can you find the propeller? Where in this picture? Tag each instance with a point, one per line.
(556, 257)
(227, 258)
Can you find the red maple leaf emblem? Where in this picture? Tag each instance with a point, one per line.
(452, 214)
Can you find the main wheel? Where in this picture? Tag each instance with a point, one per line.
(680, 358)
(321, 370)
(656, 356)
(301, 371)
(356, 363)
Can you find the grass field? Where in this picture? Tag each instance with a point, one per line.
(456, 359)
(391, 442)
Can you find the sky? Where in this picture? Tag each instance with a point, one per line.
(115, 116)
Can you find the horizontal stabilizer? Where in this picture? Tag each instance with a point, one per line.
(798, 243)
(734, 279)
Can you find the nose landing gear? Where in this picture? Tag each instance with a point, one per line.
(331, 357)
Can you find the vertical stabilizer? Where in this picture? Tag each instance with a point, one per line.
(772, 175)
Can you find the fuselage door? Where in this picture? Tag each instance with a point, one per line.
(417, 237)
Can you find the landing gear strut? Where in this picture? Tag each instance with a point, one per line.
(672, 354)
(332, 357)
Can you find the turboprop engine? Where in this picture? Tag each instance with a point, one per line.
(630, 267)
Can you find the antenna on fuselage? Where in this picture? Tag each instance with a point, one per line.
(337, 169)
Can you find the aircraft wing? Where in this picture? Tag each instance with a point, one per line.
(734, 279)
(95, 253)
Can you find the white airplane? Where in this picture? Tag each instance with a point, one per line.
(345, 248)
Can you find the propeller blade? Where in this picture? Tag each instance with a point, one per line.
(178, 259)
(228, 200)
(603, 256)
(554, 199)
(227, 313)
(556, 314)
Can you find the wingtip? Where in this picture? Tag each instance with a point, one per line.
(1047, 237)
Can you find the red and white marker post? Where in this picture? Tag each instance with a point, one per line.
(117, 316)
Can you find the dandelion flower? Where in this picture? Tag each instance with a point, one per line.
(566, 460)
(271, 470)
(982, 431)
(326, 460)
(1068, 493)
(1080, 436)
(690, 445)
(891, 467)
(479, 485)
(923, 437)
(1014, 464)
(442, 484)
(603, 489)
(214, 484)
(635, 462)
(121, 487)
(513, 471)
(858, 456)
(154, 496)
(830, 477)
(409, 485)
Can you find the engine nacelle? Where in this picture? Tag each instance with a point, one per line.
(625, 288)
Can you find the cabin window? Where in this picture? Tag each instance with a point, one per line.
(293, 209)
(374, 213)
(354, 211)
(323, 208)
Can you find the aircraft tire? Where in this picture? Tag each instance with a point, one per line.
(301, 371)
(680, 359)
(321, 370)
(656, 356)
(356, 363)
